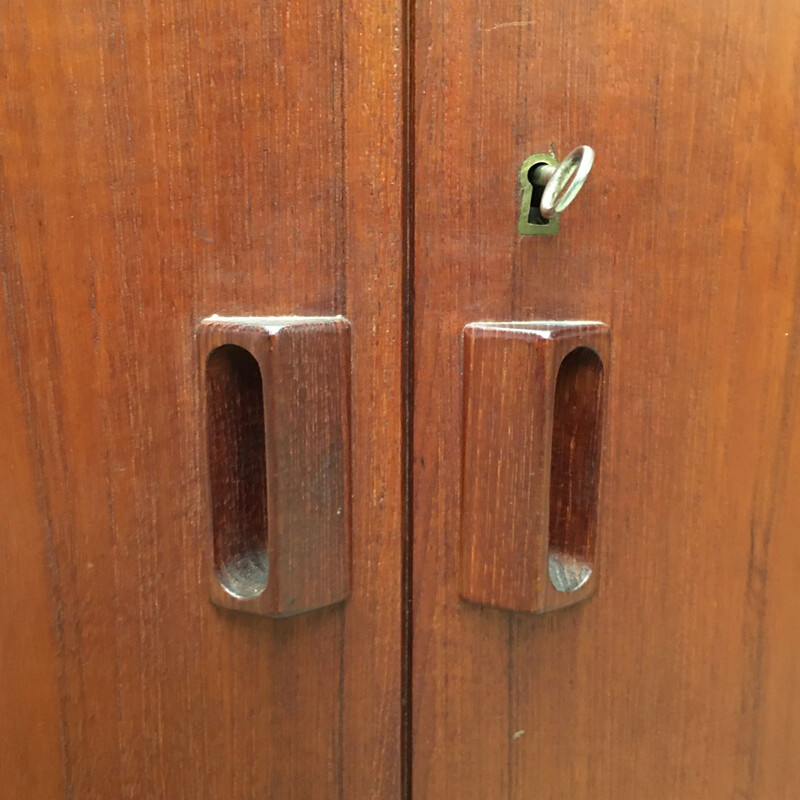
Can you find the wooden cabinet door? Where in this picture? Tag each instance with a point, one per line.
(165, 161)
(161, 162)
(678, 679)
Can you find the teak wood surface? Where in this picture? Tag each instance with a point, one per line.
(162, 162)
(679, 678)
(168, 160)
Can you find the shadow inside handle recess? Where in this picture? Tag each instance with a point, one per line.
(237, 470)
(575, 469)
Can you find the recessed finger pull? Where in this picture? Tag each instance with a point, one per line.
(534, 400)
(549, 186)
(276, 395)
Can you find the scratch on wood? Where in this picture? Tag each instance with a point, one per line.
(499, 25)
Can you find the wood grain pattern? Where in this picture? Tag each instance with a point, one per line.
(679, 679)
(276, 402)
(533, 414)
(163, 161)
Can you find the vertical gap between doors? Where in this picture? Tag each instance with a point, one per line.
(406, 740)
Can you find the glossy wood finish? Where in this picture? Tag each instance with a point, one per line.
(275, 396)
(533, 417)
(679, 678)
(162, 162)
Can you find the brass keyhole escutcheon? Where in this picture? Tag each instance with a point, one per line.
(549, 186)
(531, 221)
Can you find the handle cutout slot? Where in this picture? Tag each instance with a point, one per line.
(575, 469)
(237, 470)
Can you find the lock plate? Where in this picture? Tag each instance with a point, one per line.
(531, 222)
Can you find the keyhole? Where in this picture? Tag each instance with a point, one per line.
(531, 221)
(534, 215)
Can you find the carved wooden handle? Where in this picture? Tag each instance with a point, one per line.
(276, 395)
(534, 403)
